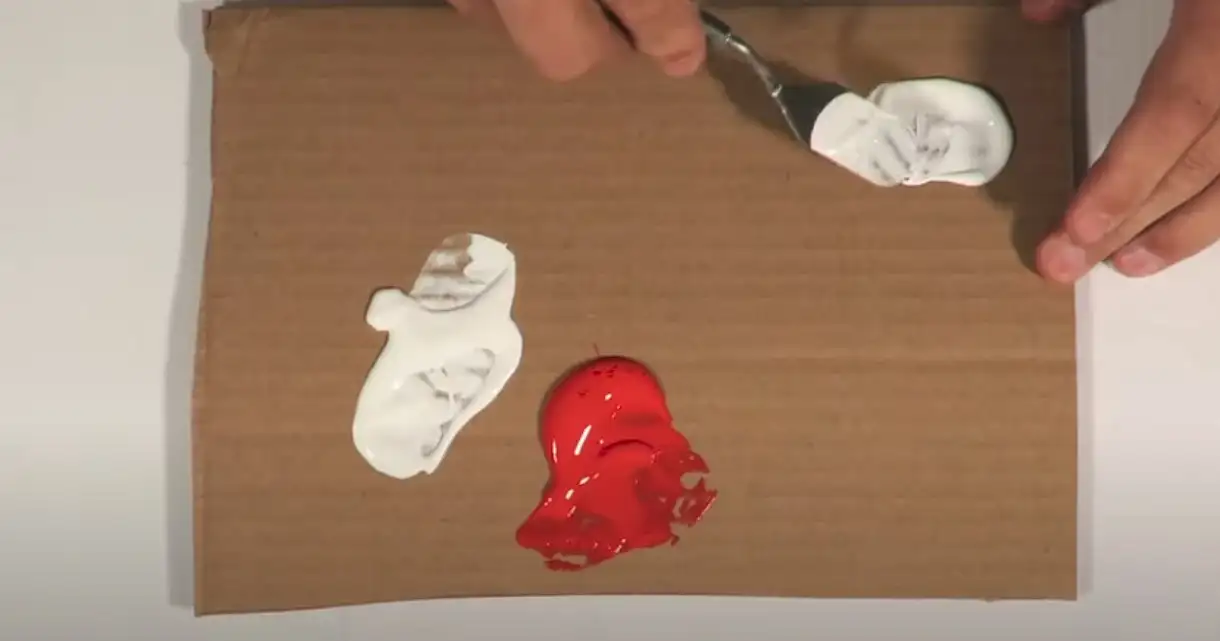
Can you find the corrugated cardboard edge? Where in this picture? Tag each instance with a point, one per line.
(1080, 145)
(220, 67)
(223, 66)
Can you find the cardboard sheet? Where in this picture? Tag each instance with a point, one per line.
(884, 392)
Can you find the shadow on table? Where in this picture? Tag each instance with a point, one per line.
(184, 312)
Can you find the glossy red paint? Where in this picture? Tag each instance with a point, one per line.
(617, 468)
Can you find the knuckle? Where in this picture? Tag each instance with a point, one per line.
(1165, 242)
(1191, 174)
(1109, 189)
(1200, 164)
(1185, 232)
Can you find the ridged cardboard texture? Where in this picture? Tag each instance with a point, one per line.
(884, 391)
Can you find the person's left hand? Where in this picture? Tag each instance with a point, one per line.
(1152, 199)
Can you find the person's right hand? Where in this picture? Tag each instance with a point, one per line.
(567, 38)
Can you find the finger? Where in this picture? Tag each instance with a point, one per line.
(563, 38)
(1060, 259)
(1176, 103)
(482, 10)
(1195, 171)
(1182, 234)
(668, 31)
(1174, 107)
(1050, 10)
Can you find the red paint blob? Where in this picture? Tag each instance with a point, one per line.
(617, 465)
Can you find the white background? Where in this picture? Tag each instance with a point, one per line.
(100, 255)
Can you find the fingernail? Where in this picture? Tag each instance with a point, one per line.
(682, 64)
(1039, 9)
(1063, 260)
(1091, 226)
(1137, 261)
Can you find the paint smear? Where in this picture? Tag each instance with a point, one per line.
(451, 348)
(916, 132)
(621, 475)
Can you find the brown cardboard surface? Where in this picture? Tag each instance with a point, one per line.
(885, 394)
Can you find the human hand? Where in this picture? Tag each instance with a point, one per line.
(1152, 199)
(568, 38)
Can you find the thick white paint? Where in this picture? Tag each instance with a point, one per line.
(915, 132)
(451, 348)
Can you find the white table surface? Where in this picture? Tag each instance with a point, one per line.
(100, 256)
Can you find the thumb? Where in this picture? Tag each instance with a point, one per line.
(1048, 10)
